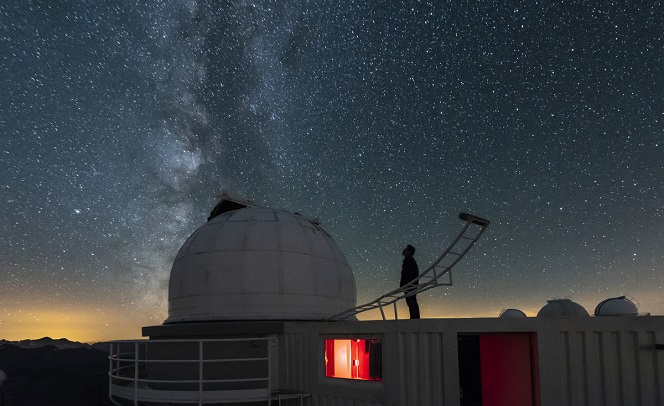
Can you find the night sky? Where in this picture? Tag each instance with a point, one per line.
(120, 124)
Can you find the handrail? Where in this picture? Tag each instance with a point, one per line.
(132, 374)
(156, 361)
(431, 276)
(122, 378)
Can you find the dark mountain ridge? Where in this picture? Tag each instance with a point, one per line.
(61, 343)
(53, 372)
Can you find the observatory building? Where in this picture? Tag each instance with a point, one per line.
(262, 311)
(259, 264)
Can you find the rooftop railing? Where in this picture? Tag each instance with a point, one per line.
(191, 371)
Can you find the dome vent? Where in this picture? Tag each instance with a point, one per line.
(512, 314)
(616, 306)
(256, 263)
(562, 308)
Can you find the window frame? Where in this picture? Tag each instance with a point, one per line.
(348, 380)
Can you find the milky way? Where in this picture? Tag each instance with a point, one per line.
(120, 124)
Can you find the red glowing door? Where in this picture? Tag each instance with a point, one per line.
(507, 370)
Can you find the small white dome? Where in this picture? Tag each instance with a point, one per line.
(259, 264)
(562, 307)
(512, 314)
(616, 306)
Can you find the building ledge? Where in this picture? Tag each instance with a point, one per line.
(213, 329)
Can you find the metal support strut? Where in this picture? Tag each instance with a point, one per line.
(439, 273)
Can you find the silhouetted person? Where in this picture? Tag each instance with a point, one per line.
(410, 271)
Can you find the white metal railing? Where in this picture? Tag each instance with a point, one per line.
(191, 371)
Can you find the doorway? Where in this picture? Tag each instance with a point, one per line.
(498, 369)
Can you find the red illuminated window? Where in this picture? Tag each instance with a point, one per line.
(354, 359)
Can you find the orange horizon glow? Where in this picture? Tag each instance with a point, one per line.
(92, 323)
(83, 326)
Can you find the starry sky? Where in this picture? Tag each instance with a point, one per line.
(121, 121)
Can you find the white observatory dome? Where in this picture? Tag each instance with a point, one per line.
(512, 314)
(562, 307)
(616, 306)
(259, 264)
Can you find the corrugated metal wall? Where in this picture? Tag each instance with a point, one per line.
(413, 371)
(610, 368)
(420, 363)
(589, 362)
